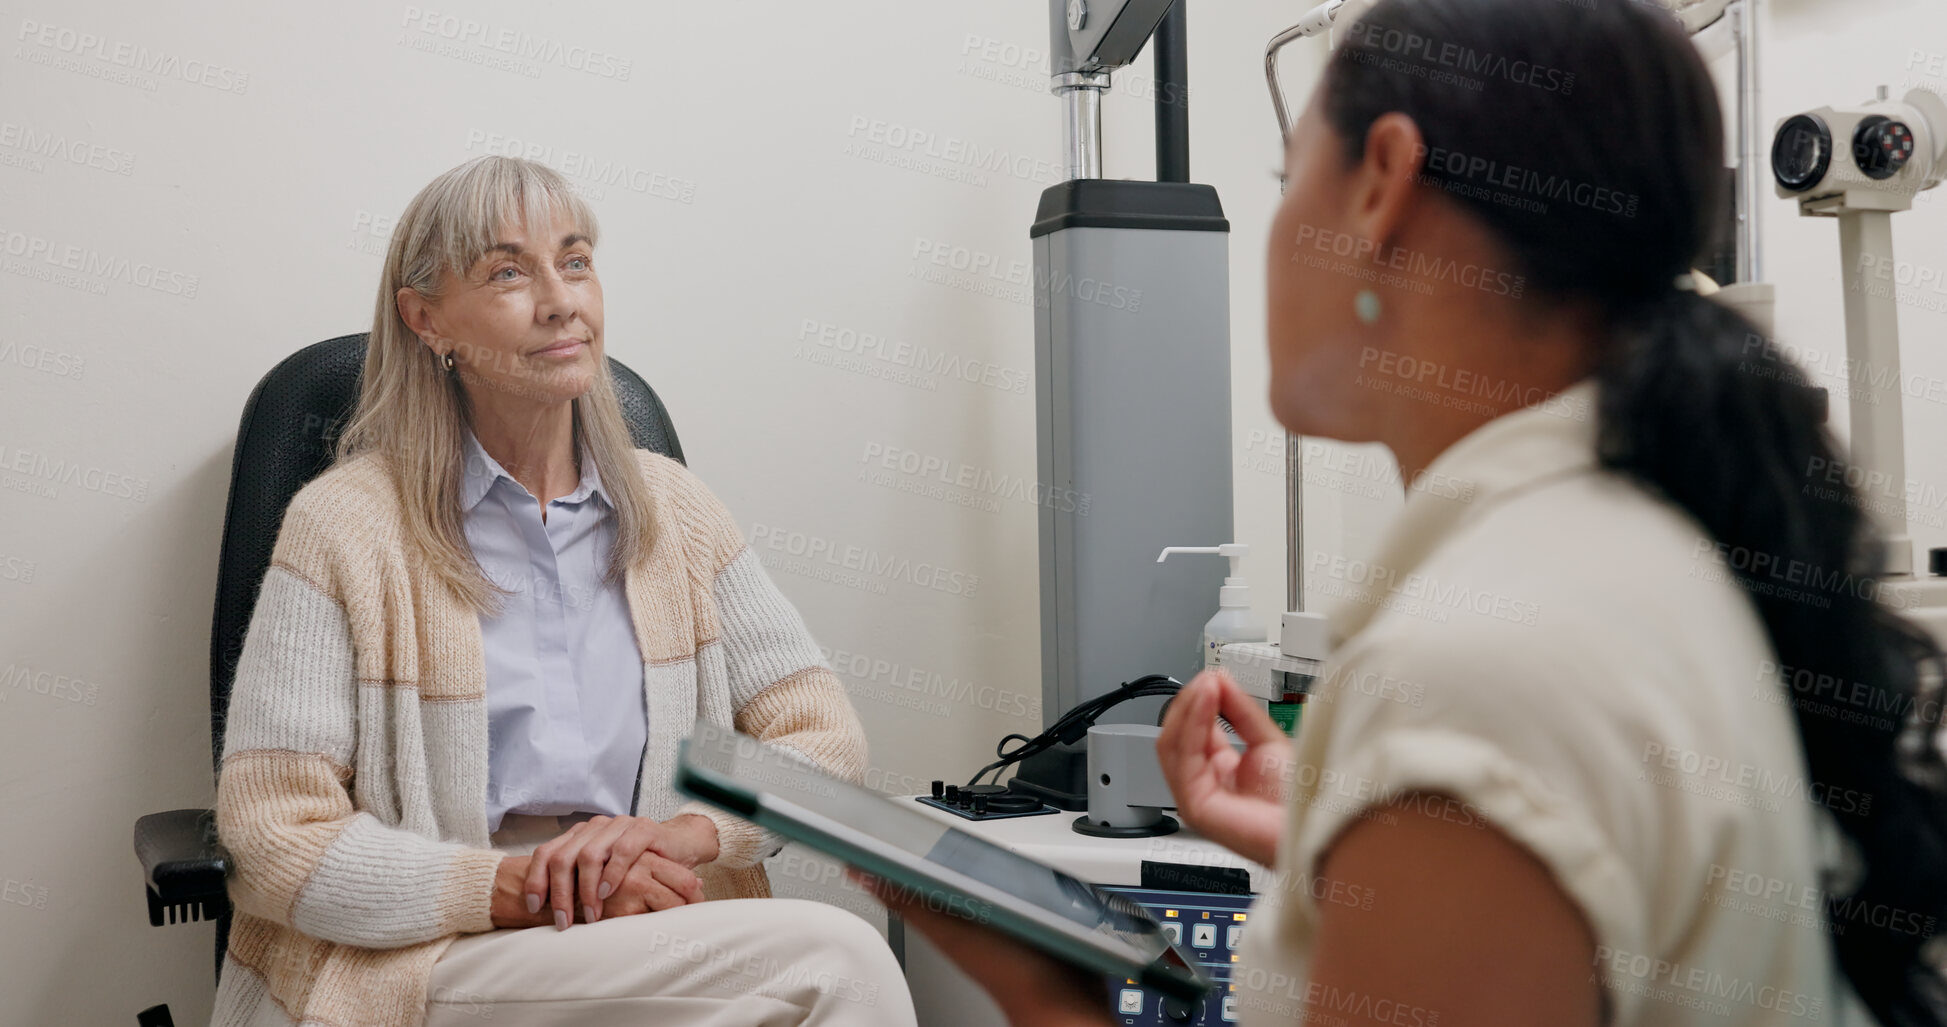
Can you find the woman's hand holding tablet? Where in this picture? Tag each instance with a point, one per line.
(1033, 990)
(1029, 933)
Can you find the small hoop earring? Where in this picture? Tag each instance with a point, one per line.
(448, 358)
(1366, 305)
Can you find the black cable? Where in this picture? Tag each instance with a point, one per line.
(1073, 725)
(1002, 763)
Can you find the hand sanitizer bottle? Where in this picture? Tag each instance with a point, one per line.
(1233, 621)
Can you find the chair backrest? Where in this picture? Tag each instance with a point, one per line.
(290, 423)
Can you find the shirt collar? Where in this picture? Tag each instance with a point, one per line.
(482, 472)
(1521, 449)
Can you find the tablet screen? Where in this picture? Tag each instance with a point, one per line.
(782, 790)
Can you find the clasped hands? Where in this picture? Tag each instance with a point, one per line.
(605, 867)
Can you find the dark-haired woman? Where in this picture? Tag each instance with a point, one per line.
(1553, 776)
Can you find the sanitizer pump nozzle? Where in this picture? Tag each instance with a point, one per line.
(1233, 621)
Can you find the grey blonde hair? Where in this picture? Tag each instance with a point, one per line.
(411, 410)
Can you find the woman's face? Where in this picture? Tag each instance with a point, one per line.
(1311, 327)
(525, 322)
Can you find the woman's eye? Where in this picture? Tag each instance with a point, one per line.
(579, 262)
(497, 272)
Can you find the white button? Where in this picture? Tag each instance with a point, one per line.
(1230, 1007)
(1132, 1000)
(1203, 935)
(1231, 934)
(1175, 931)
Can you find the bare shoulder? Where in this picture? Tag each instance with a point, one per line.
(1461, 920)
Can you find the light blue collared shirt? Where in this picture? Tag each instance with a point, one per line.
(566, 716)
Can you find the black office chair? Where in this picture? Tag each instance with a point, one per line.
(290, 423)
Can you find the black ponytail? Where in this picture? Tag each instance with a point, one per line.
(1587, 136)
(1694, 405)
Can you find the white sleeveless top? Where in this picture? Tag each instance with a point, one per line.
(1571, 660)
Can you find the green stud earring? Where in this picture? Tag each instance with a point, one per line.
(1366, 304)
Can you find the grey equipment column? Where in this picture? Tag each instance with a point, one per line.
(1132, 416)
(1132, 391)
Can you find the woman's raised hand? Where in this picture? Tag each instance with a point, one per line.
(1232, 798)
(594, 859)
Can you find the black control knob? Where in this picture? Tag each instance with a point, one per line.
(1882, 146)
(1175, 1010)
(953, 794)
(980, 803)
(939, 788)
(1937, 561)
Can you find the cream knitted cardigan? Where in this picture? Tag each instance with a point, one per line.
(352, 795)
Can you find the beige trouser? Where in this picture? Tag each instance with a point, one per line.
(741, 962)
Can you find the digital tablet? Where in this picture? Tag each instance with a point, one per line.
(952, 870)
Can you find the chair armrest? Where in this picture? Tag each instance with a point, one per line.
(182, 865)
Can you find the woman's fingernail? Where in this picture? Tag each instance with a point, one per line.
(588, 913)
(602, 892)
(560, 919)
(533, 904)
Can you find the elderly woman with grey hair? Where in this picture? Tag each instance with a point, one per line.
(445, 779)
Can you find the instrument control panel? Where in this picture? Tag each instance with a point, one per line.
(1206, 927)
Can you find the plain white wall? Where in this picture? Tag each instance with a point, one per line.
(215, 191)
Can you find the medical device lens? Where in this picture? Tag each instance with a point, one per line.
(1801, 152)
